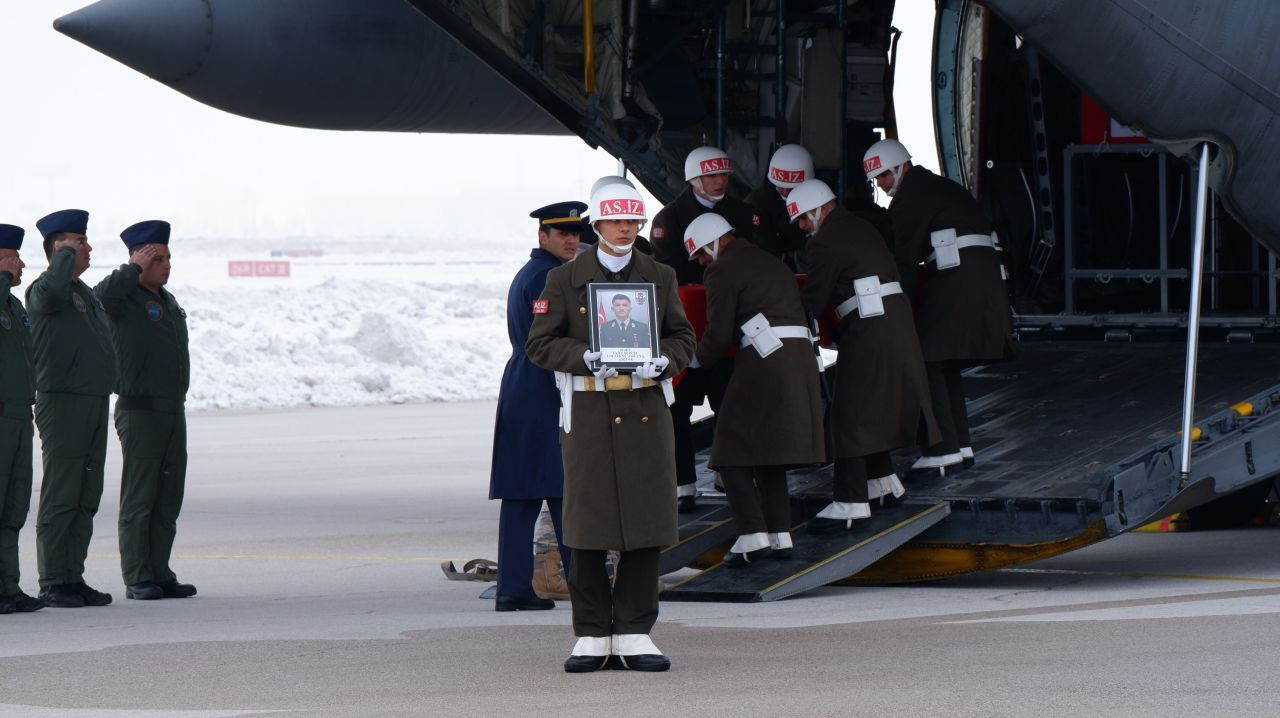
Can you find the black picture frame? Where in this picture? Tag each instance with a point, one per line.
(623, 346)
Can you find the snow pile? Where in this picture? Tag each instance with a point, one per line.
(401, 323)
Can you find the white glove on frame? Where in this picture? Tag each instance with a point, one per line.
(653, 368)
(604, 372)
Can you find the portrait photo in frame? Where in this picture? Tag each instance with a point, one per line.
(625, 329)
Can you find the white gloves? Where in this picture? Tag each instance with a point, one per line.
(604, 372)
(653, 368)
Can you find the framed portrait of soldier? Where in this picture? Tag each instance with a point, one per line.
(625, 326)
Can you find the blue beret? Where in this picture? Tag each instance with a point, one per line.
(64, 220)
(151, 231)
(11, 236)
(565, 216)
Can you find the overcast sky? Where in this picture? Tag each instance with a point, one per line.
(80, 130)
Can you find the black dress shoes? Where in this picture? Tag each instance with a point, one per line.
(91, 596)
(590, 654)
(522, 603)
(739, 560)
(173, 589)
(26, 604)
(145, 591)
(639, 654)
(7, 605)
(687, 505)
(61, 595)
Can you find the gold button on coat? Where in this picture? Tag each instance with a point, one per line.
(617, 419)
(582, 310)
(644, 420)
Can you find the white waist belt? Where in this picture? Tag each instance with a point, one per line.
(866, 300)
(946, 246)
(568, 383)
(784, 333)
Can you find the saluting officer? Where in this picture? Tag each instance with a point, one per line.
(619, 490)
(771, 416)
(527, 469)
(17, 393)
(706, 174)
(789, 166)
(75, 375)
(881, 397)
(947, 255)
(149, 331)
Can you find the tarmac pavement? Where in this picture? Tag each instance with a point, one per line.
(315, 537)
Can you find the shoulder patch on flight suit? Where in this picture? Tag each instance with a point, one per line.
(541, 306)
(78, 302)
(5, 322)
(658, 233)
(154, 311)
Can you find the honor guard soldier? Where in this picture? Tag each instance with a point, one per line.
(881, 395)
(75, 375)
(619, 471)
(772, 408)
(527, 469)
(706, 173)
(149, 331)
(789, 166)
(17, 394)
(947, 255)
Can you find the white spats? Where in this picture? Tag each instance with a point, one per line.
(686, 490)
(600, 646)
(966, 452)
(750, 542)
(892, 485)
(780, 541)
(634, 644)
(845, 510)
(937, 462)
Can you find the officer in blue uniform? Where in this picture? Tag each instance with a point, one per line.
(527, 469)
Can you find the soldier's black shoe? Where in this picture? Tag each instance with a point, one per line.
(7, 605)
(687, 505)
(639, 654)
(522, 603)
(739, 560)
(62, 595)
(173, 589)
(145, 591)
(22, 603)
(828, 526)
(91, 596)
(590, 654)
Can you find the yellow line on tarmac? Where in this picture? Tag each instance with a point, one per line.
(1125, 574)
(279, 557)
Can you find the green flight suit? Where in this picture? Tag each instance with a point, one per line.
(149, 331)
(75, 375)
(17, 392)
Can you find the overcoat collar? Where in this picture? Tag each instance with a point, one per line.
(586, 268)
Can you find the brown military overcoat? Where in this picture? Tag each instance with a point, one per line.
(881, 394)
(771, 414)
(962, 313)
(619, 456)
(667, 231)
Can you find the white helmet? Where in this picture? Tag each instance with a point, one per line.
(706, 161)
(704, 233)
(790, 166)
(808, 196)
(608, 180)
(884, 156)
(617, 201)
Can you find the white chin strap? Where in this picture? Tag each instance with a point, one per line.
(616, 249)
(897, 180)
(713, 249)
(815, 217)
(697, 184)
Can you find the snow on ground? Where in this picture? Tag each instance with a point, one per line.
(359, 321)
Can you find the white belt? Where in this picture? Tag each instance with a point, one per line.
(784, 333)
(946, 246)
(867, 297)
(568, 383)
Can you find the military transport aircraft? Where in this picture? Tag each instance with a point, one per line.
(1072, 122)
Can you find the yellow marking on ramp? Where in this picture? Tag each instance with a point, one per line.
(277, 557)
(1127, 574)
